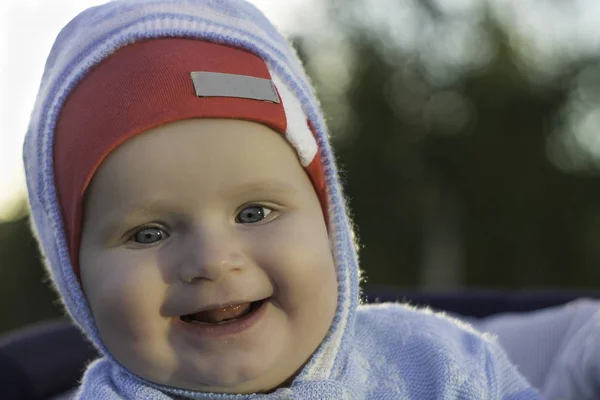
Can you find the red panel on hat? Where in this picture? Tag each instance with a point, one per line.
(140, 87)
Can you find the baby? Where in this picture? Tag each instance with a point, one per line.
(186, 199)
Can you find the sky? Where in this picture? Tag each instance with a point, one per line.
(27, 31)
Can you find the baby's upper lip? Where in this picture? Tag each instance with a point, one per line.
(214, 306)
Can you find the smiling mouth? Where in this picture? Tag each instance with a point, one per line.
(223, 315)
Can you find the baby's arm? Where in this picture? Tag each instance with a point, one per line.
(557, 349)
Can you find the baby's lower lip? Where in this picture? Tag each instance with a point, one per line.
(228, 328)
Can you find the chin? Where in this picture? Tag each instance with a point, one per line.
(227, 378)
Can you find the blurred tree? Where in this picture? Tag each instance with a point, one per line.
(25, 293)
(447, 164)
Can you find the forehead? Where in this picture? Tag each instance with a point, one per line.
(215, 155)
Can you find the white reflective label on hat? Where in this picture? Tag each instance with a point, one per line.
(216, 84)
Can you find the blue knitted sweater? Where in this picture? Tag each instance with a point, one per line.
(387, 351)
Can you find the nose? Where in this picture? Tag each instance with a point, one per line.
(211, 256)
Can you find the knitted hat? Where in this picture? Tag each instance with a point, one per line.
(154, 82)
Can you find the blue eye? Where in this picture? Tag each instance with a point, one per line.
(252, 214)
(149, 235)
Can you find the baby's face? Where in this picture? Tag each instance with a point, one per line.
(198, 215)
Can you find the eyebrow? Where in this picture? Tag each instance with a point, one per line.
(260, 187)
(131, 214)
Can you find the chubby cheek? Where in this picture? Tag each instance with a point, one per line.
(298, 260)
(125, 294)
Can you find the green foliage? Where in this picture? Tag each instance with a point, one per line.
(461, 168)
(25, 293)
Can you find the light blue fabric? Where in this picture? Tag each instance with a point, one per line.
(370, 352)
(557, 349)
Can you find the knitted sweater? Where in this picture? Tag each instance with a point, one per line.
(370, 352)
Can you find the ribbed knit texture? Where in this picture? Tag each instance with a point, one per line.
(375, 352)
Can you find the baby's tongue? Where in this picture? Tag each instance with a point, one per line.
(222, 314)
